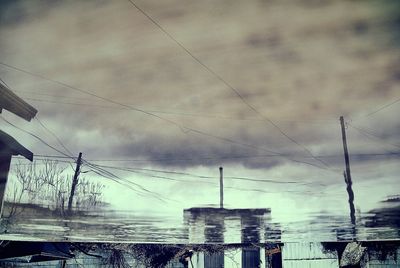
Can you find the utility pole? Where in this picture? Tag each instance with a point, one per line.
(74, 181)
(221, 188)
(346, 173)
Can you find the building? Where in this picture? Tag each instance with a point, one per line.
(8, 145)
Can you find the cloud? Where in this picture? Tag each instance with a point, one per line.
(297, 67)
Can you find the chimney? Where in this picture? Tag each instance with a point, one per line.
(221, 188)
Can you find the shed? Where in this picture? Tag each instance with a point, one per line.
(9, 147)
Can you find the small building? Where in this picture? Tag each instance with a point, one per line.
(211, 222)
(8, 145)
(208, 225)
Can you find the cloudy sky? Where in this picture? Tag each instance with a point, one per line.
(254, 86)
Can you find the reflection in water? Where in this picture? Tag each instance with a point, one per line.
(386, 218)
(214, 229)
(270, 255)
(212, 220)
(251, 227)
(205, 225)
(347, 174)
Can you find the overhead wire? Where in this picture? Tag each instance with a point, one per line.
(99, 170)
(216, 116)
(385, 106)
(138, 171)
(41, 157)
(117, 181)
(228, 140)
(29, 164)
(268, 192)
(369, 134)
(93, 166)
(36, 137)
(89, 93)
(135, 169)
(221, 79)
(108, 174)
(185, 129)
(46, 128)
(55, 136)
(171, 159)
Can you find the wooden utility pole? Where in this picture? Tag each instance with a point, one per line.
(221, 188)
(346, 173)
(74, 181)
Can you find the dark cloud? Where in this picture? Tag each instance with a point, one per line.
(16, 12)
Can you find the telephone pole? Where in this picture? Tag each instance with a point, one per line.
(74, 182)
(221, 188)
(346, 173)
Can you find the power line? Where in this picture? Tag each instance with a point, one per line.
(93, 166)
(370, 134)
(169, 159)
(182, 127)
(237, 93)
(98, 170)
(104, 173)
(51, 132)
(75, 103)
(382, 108)
(55, 136)
(115, 180)
(227, 187)
(50, 95)
(135, 170)
(51, 156)
(46, 157)
(227, 140)
(47, 129)
(36, 137)
(316, 121)
(107, 174)
(90, 94)
(29, 164)
(269, 192)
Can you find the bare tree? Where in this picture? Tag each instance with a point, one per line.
(50, 186)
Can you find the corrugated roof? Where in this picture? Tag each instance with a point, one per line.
(10, 145)
(11, 102)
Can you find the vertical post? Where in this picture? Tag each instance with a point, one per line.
(5, 160)
(74, 181)
(221, 188)
(346, 173)
(346, 153)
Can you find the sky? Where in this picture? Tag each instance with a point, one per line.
(188, 86)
